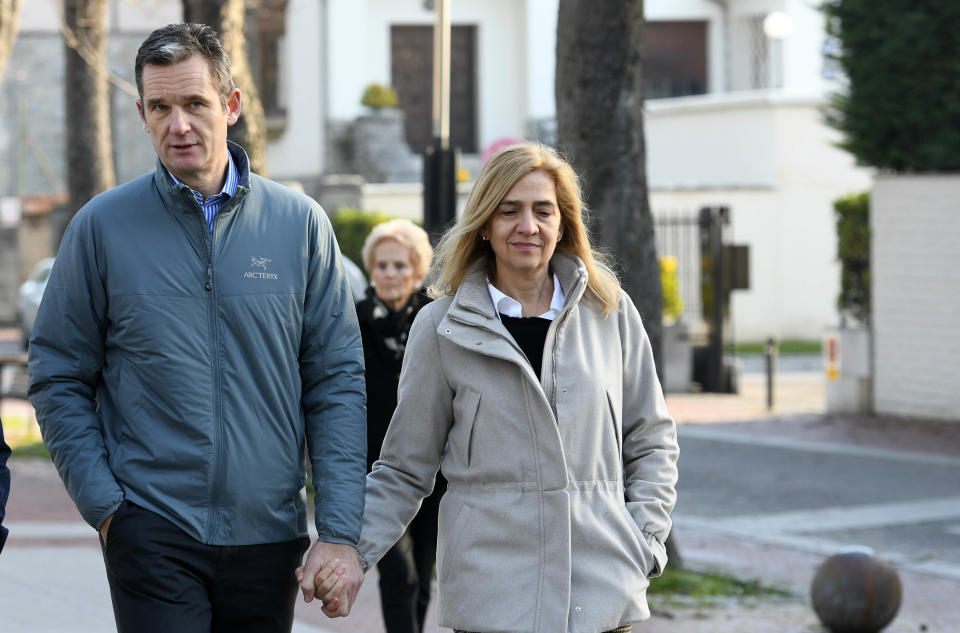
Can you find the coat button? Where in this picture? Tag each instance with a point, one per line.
(577, 609)
(447, 331)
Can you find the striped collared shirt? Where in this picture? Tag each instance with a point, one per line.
(212, 204)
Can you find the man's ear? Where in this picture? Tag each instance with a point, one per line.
(234, 106)
(143, 118)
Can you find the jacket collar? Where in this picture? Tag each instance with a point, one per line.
(472, 306)
(473, 297)
(179, 196)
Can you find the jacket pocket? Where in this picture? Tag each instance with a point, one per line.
(452, 549)
(643, 553)
(113, 527)
(464, 432)
(616, 427)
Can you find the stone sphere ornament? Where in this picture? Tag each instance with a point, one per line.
(856, 592)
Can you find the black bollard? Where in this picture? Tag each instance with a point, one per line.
(770, 358)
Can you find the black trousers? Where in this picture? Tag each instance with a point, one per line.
(406, 570)
(164, 581)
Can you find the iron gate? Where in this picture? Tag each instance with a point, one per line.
(708, 269)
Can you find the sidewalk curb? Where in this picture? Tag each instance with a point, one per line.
(739, 437)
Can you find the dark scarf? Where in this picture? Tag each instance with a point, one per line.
(390, 328)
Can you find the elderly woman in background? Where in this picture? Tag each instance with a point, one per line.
(530, 384)
(397, 256)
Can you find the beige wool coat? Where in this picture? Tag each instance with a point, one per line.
(559, 491)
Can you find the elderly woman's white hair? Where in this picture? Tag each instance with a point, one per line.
(408, 235)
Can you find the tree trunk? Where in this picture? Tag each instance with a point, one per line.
(599, 92)
(90, 168)
(599, 88)
(9, 25)
(227, 17)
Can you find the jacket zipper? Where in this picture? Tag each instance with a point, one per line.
(556, 326)
(212, 309)
(551, 397)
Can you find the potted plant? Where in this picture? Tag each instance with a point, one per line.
(380, 150)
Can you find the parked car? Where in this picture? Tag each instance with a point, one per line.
(31, 291)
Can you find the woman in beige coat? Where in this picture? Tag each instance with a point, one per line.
(529, 383)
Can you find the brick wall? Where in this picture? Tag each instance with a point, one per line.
(915, 269)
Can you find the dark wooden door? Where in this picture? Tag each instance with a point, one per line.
(411, 60)
(675, 59)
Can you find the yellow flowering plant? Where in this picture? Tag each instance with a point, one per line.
(669, 282)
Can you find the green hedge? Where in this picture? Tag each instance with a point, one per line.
(351, 227)
(853, 251)
(900, 110)
(784, 348)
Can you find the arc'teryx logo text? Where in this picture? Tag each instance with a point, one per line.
(261, 263)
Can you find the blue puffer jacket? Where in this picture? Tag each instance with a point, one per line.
(184, 371)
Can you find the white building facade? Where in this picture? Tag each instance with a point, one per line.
(746, 130)
(753, 138)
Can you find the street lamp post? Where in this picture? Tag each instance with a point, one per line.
(439, 158)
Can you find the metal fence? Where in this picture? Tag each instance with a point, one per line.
(677, 235)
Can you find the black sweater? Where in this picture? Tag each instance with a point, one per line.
(531, 335)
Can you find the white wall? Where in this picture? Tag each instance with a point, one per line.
(540, 45)
(710, 141)
(348, 48)
(299, 151)
(359, 54)
(772, 161)
(39, 16)
(812, 174)
(141, 15)
(803, 50)
(915, 273)
(124, 15)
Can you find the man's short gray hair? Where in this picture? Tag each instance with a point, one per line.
(178, 42)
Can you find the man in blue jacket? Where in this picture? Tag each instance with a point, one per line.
(196, 337)
(4, 485)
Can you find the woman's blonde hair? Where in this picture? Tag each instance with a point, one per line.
(408, 235)
(461, 246)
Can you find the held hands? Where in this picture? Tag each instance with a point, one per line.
(331, 574)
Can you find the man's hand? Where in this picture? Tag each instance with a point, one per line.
(105, 527)
(332, 574)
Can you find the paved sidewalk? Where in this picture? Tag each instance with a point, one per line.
(52, 578)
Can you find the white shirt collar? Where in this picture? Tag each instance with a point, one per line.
(512, 308)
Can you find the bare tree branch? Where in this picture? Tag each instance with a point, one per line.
(89, 55)
(9, 27)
